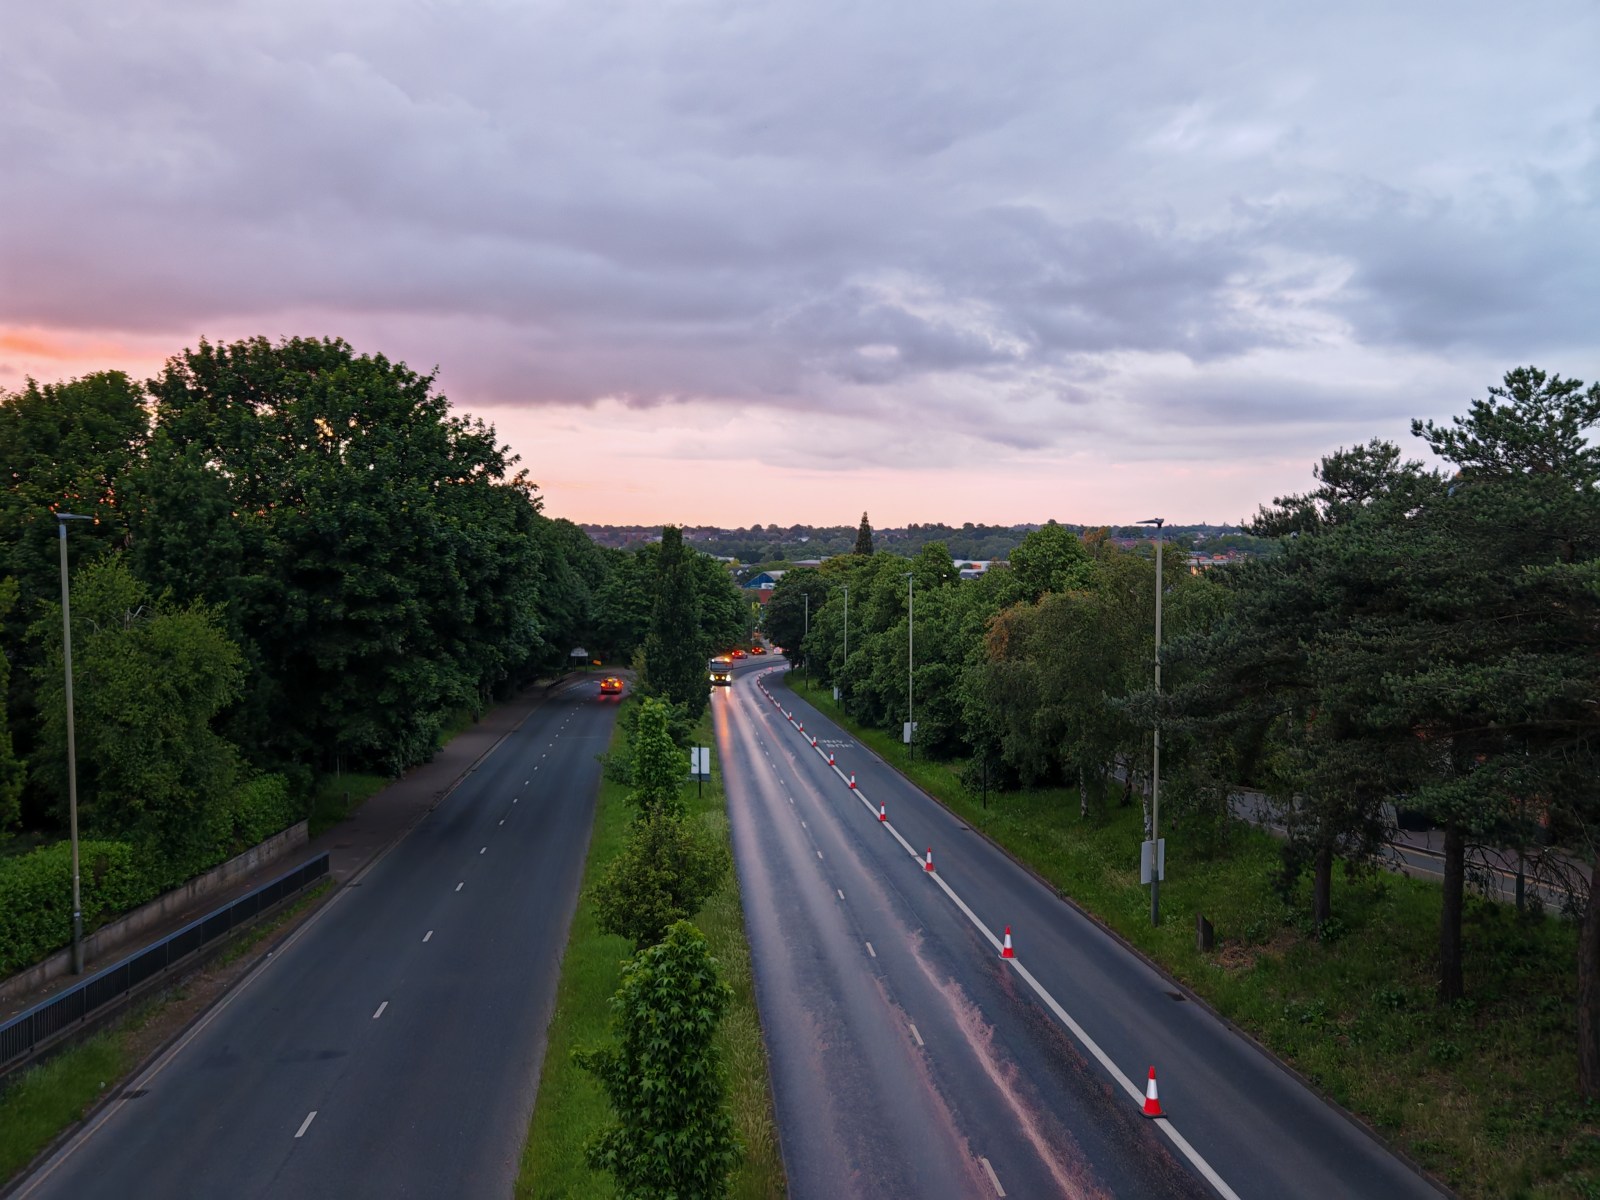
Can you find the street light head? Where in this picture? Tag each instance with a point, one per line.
(66, 516)
(1158, 522)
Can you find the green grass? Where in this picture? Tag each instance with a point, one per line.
(1481, 1093)
(337, 796)
(42, 1101)
(455, 722)
(570, 1107)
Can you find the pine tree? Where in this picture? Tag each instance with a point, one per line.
(864, 537)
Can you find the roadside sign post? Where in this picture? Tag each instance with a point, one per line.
(699, 767)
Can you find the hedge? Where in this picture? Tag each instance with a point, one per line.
(36, 896)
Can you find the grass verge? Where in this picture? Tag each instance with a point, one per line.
(337, 796)
(40, 1103)
(570, 1107)
(1480, 1093)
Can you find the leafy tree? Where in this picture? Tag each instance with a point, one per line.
(674, 654)
(673, 1139)
(786, 611)
(667, 869)
(864, 537)
(1050, 559)
(659, 768)
(149, 678)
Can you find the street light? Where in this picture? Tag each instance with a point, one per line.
(846, 665)
(807, 634)
(1155, 760)
(72, 746)
(911, 624)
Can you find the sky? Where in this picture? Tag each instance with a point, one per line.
(728, 261)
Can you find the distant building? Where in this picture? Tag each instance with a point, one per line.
(765, 581)
(1200, 561)
(972, 568)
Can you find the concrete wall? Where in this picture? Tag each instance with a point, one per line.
(110, 940)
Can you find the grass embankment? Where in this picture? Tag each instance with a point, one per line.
(38, 1104)
(1480, 1093)
(571, 1108)
(337, 796)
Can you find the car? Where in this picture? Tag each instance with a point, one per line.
(758, 649)
(611, 686)
(738, 653)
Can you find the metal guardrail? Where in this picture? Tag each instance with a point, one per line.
(42, 1024)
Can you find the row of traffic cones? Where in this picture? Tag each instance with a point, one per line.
(1152, 1100)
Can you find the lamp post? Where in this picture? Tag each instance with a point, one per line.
(845, 666)
(72, 746)
(911, 625)
(1155, 758)
(805, 635)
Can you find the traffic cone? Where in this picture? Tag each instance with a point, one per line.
(852, 783)
(882, 816)
(1006, 951)
(1152, 1105)
(830, 760)
(928, 866)
(813, 739)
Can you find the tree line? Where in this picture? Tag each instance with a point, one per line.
(299, 561)
(1422, 637)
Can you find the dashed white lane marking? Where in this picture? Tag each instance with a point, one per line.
(515, 799)
(306, 1124)
(1116, 1073)
(841, 894)
(871, 951)
(481, 851)
(502, 820)
(461, 885)
(993, 1178)
(381, 1007)
(917, 1035)
(803, 825)
(526, 782)
(428, 936)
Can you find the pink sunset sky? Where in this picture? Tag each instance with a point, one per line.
(719, 263)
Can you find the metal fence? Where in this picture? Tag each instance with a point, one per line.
(29, 1031)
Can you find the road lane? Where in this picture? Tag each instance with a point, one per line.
(457, 933)
(1262, 1131)
(902, 1063)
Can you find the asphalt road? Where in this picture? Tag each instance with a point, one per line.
(909, 1059)
(392, 1047)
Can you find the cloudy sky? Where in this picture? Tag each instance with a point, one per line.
(738, 260)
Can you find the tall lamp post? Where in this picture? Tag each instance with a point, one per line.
(1156, 856)
(806, 634)
(72, 746)
(911, 625)
(846, 664)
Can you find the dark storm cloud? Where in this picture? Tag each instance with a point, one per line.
(1020, 223)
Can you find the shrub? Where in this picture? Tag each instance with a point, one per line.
(673, 1137)
(36, 896)
(258, 809)
(664, 873)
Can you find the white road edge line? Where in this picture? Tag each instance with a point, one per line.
(306, 1124)
(993, 1178)
(381, 1007)
(1134, 1093)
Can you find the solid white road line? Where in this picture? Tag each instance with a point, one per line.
(306, 1124)
(993, 1178)
(381, 1007)
(427, 936)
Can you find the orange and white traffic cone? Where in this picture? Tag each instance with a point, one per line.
(928, 866)
(813, 739)
(1006, 951)
(1152, 1105)
(882, 816)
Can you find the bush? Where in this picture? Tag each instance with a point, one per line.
(664, 874)
(673, 1137)
(36, 896)
(259, 809)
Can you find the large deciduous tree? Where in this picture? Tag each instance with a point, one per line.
(674, 653)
